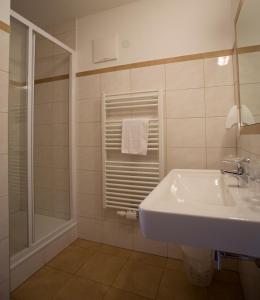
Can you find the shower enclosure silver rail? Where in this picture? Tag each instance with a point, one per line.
(33, 245)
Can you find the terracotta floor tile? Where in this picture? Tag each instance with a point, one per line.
(138, 278)
(86, 270)
(116, 294)
(71, 259)
(154, 260)
(102, 268)
(43, 285)
(86, 244)
(175, 286)
(81, 289)
(225, 291)
(111, 250)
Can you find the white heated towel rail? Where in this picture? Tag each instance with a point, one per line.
(128, 179)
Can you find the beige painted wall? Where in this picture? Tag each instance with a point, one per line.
(65, 32)
(5, 11)
(158, 29)
(4, 211)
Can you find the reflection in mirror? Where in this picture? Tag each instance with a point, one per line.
(248, 49)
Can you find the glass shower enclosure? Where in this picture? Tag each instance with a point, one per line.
(40, 135)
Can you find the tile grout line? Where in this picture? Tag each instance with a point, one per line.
(112, 283)
(205, 116)
(161, 279)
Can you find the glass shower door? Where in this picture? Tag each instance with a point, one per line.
(51, 163)
(18, 137)
(39, 136)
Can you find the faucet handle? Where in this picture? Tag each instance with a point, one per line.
(231, 166)
(237, 160)
(234, 165)
(245, 160)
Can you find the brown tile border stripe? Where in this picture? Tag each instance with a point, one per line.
(158, 62)
(39, 81)
(141, 64)
(50, 79)
(248, 49)
(250, 129)
(17, 83)
(5, 27)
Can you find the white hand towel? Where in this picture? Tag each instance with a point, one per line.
(135, 136)
(246, 116)
(232, 118)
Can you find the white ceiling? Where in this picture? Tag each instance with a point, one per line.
(49, 12)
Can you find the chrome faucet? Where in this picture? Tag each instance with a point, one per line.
(236, 167)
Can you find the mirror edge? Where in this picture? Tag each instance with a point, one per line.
(244, 129)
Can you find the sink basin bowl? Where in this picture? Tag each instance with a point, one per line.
(202, 208)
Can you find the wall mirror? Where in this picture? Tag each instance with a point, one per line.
(248, 57)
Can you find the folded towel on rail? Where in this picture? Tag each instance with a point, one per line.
(135, 136)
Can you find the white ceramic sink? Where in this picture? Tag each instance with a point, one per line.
(202, 208)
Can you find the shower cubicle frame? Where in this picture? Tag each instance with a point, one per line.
(34, 246)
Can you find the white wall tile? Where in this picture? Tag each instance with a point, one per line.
(250, 143)
(115, 82)
(3, 133)
(88, 110)
(148, 78)
(249, 96)
(219, 100)
(60, 90)
(89, 182)
(4, 81)
(145, 245)
(89, 158)
(90, 206)
(4, 50)
(186, 158)
(88, 87)
(216, 155)
(218, 135)
(4, 290)
(4, 175)
(4, 223)
(185, 103)
(186, 132)
(60, 112)
(90, 229)
(216, 75)
(88, 134)
(4, 261)
(183, 75)
(44, 93)
(60, 135)
(174, 251)
(249, 67)
(118, 234)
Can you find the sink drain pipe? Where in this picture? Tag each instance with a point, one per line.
(222, 254)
